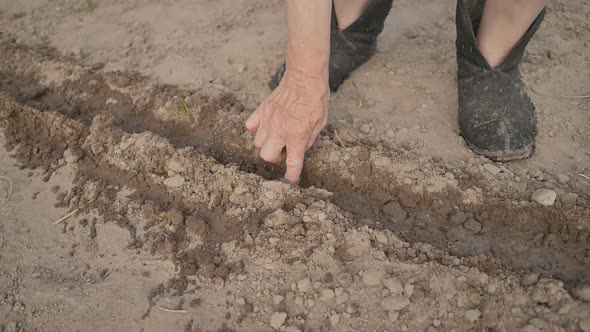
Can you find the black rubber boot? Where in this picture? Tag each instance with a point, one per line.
(496, 116)
(352, 46)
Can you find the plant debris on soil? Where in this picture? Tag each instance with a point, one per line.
(169, 221)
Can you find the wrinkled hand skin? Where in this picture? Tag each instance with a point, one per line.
(289, 120)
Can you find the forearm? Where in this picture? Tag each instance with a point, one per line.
(308, 49)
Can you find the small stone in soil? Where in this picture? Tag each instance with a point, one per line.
(326, 294)
(583, 293)
(380, 238)
(278, 319)
(472, 315)
(175, 217)
(472, 225)
(408, 290)
(196, 225)
(175, 165)
(530, 279)
(569, 198)
(545, 197)
(395, 287)
(562, 178)
(373, 278)
(277, 299)
(395, 211)
(393, 316)
(304, 284)
(493, 169)
(459, 218)
(365, 128)
(276, 186)
(334, 319)
(72, 155)
(174, 182)
(394, 303)
(530, 328)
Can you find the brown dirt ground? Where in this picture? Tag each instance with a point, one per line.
(131, 114)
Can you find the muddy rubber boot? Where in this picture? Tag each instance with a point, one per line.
(351, 47)
(496, 116)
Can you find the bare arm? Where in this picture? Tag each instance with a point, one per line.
(293, 115)
(308, 48)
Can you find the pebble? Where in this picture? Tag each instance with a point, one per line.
(342, 298)
(562, 178)
(393, 316)
(174, 182)
(279, 219)
(545, 197)
(395, 287)
(304, 284)
(395, 211)
(538, 322)
(495, 170)
(72, 156)
(459, 218)
(583, 293)
(472, 225)
(326, 294)
(530, 279)
(390, 133)
(278, 319)
(175, 165)
(176, 217)
(275, 186)
(196, 225)
(301, 207)
(373, 278)
(381, 238)
(215, 198)
(535, 173)
(365, 128)
(436, 322)
(334, 319)
(11, 327)
(395, 303)
(408, 290)
(530, 328)
(240, 301)
(472, 315)
(347, 136)
(277, 299)
(240, 67)
(569, 198)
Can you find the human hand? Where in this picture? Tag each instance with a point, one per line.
(290, 119)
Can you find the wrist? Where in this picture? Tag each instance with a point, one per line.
(310, 63)
(306, 79)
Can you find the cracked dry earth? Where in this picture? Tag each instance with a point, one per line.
(179, 227)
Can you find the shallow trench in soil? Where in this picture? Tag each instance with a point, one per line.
(550, 241)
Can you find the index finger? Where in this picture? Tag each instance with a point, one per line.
(294, 161)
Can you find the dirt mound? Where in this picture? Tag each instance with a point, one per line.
(391, 239)
(470, 208)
